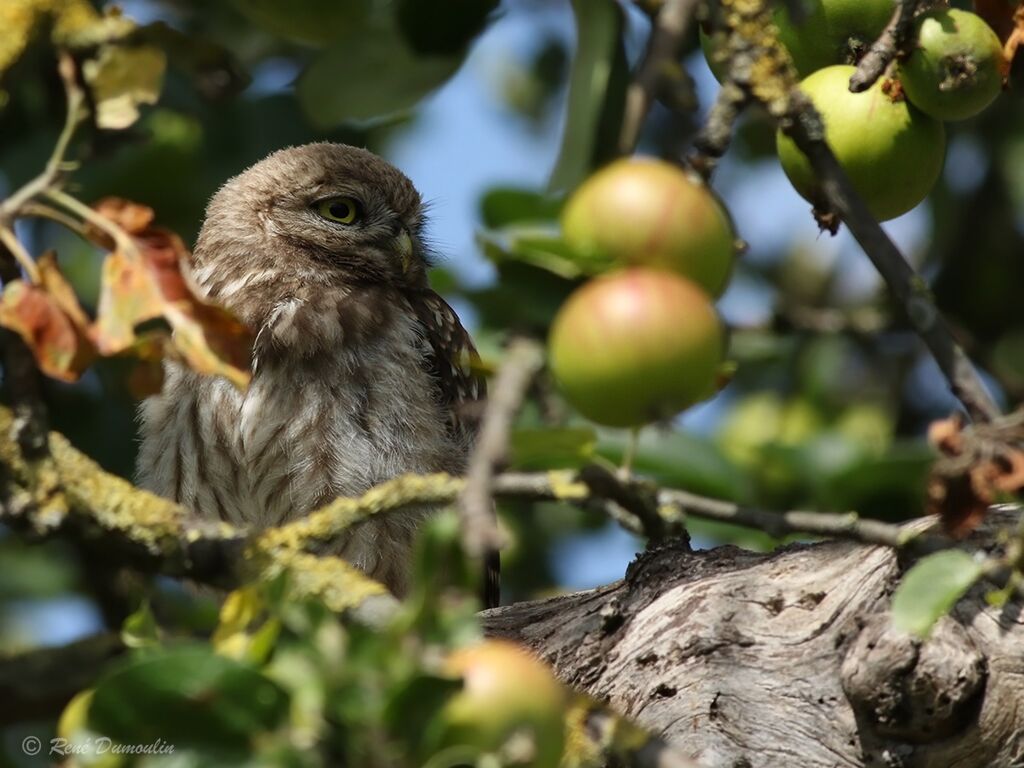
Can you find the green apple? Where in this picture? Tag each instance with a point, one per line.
(892, 152)
(647, 212)
(636, 346)
(956, 69)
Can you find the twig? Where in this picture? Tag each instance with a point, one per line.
(122, 240)
(892, 42)
(20, 373)
(476, 506)
(660, 68)
(909, 289)
(714, 138)
(50, 177)
(748, 63)
(847, 525)
(22, 256)
(42, 211)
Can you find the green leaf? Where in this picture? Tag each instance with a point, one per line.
(931, 588)
(306, 21)
(523, 296)
(597, 85)
(189, 697)
(140, 629)
(413, 711)
(369, 74)
(442, 26)
(501, 206)
(537, 449)
(681, 460)
(537, 245)
(120, 79)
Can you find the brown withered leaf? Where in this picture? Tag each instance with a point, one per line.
(56, 338)
(978, 466)
(132, 217)
(146, 283)
(55, 284)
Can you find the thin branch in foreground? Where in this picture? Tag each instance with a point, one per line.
(21, 256)
(660, 67)
(476, 506)
(890, 44)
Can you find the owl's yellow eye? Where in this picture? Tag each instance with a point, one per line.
(343, 210)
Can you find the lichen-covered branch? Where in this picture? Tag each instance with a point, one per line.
(759, 71)
(66, 493)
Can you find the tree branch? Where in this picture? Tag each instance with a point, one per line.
(804, 125)
(68, 494)
(50, 177)
(891, 43)
(760, 68)
(659, 69)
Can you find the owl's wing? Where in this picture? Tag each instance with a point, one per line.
(453, 363)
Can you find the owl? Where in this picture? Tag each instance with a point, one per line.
(360, 372)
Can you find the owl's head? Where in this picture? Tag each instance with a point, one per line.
(318, 212)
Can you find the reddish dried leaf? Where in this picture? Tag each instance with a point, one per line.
(945, 435)
(55, 284)
(58, 344)
(978, 466)
(128, 297)
(955, 502)
(133, 218)
(147, 284)
(1009, 477)
(1006, 17)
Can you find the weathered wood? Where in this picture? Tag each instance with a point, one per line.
(788, 659)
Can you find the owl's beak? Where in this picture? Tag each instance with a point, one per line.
(405, 249)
